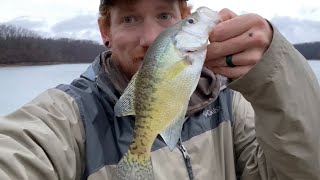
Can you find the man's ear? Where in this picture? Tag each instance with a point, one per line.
(104, 31)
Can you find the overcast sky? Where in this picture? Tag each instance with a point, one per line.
(298, 20)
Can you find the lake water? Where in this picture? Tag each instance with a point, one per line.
(19, 85)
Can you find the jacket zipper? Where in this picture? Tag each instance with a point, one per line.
(187, 160)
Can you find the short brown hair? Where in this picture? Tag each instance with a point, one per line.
(105, 5)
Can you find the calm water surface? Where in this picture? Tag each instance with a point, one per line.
(19, 85)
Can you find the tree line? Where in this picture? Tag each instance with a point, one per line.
(19, 45)
(309, 50)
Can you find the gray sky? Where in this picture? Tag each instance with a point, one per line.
(299, 21)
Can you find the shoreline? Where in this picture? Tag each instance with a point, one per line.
(39, 64)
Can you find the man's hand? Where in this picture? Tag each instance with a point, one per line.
(245, 37)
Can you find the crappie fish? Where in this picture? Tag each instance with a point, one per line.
(159, 93)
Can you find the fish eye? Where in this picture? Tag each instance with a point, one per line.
(191, 21)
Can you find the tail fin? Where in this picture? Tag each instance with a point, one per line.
(133, 169)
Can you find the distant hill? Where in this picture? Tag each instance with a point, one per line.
(22, 46)
(309, 50)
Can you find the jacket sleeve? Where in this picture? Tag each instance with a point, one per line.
(279, 137)
(42, 139)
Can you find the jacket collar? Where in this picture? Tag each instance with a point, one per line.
(97, 74)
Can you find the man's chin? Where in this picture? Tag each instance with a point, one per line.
(134, 70)
(137, 60)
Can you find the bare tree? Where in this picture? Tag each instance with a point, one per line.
(19, 45)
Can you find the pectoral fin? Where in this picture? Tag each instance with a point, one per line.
(172, 133)
(177, 68)
(125, 105)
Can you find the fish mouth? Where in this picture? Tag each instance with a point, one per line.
(207, 12)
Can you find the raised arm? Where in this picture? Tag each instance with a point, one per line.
(284, 93)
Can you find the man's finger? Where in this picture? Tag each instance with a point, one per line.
(226, 14)
(230, 46)
(232, 72)
(248, 57)
(233, 27)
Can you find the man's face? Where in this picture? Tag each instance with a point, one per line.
(133, 27)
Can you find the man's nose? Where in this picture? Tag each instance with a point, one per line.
(150, 31)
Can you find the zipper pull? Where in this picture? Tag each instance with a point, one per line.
(186, 159)
(183, 150)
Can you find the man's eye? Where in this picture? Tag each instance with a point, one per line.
(128, 19)
(165, 16)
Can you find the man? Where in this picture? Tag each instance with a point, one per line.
(70, 132)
